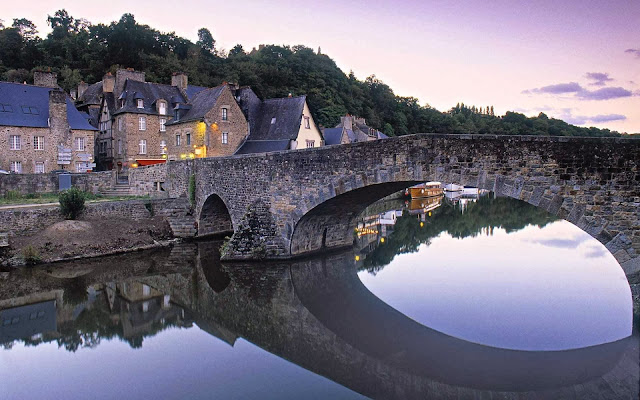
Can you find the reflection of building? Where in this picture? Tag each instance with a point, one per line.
(130, 310)
(466, 195)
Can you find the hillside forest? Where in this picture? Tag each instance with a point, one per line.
(80, 51)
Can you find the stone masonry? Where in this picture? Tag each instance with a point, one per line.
(592, 182)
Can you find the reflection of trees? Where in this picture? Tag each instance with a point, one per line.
(486, 213)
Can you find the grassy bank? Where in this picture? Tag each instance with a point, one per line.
(16, 198)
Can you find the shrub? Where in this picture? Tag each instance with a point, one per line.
(31, 255)
(12, 195)
(72, 202)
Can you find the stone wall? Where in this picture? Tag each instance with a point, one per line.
(92, 182)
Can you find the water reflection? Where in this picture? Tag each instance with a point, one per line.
(314, 312)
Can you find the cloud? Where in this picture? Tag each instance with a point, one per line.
(633, 51)
(598, 78)
(566, 114)
(607, 118)
(607, 93)
(560, 88)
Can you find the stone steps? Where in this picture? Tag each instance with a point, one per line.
(180, 217)
(118, 190)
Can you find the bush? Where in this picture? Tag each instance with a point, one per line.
(31, 255)
(12, 195)
(72, 202)
(192, 190)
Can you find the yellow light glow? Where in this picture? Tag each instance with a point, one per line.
(429, 213)
(134, 165)
(183, 156)
(164, 156)
(192, 156)
(357, 258)
(381, 240)
(421, 224)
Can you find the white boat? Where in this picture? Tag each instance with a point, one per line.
(452, 187)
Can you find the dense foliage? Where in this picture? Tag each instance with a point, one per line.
(485, 214)
(72, 202)
(81, 51)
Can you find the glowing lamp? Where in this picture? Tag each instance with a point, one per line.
(357, 258)
(421, 224)
(381, 240)
(183, 156)
(134, 165)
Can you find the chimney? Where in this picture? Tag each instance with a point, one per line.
(121, 77)
(180, 80)
(347, 122)
(108, 83)
(58, 122)
(45, 78)
(82, 87)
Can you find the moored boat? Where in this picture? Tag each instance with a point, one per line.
(429, 189)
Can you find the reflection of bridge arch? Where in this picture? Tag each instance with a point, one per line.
(590, 182)
(334, 294)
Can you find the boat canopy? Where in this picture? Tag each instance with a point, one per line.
(433, 183)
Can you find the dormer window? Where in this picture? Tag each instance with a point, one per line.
(162, 108)
(140, 103)
(122, 103)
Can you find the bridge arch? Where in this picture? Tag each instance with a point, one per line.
(214, 217)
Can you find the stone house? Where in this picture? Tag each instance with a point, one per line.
(351, 130)
(210, 125)
(277, 124)
(41, 130)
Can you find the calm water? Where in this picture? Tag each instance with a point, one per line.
(459, 299)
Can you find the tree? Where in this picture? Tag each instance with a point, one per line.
(237, 50)
(26, 28)
(206, 40)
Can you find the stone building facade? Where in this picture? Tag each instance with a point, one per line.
(214, 126)
(41, 130)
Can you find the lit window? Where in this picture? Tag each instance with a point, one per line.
(163, 147)
(79, 142)
(311, 143)
(188, 139)
(224, 114)
(307, 124)
(119, 146)
(16, 166)
(225, 137)
(163, 124)
(178, 139)
(140, 103)
(39, 169)
(162, 108)
(142, 147)
(142, 123)
(15, 142)
(38, 142)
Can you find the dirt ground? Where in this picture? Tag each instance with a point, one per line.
(67, 239)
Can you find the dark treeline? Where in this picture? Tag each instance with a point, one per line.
(487, 213)
(81, 51)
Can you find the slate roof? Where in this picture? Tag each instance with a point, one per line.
(92, 95)
(332, 136)
(200, 104)
(149, 93)
(287, 112)
(27, 105)
(193, 90)
(262, 146)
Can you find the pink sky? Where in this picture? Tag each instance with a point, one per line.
(525, 56)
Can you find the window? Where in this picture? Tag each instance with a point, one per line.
(273, 120)
(120, 124)
(39, 168)
(307, 124)
(15, 142)
(142, 123)
(224, 114)
(178, 139)
(30, 110)
(188, 139)
(142, 147)
(6, 108)
(16, 166)
(225, 137)
(163, 124)
(163, 147)
(122, 101)
(38, 142)
(311, 143)
(79, 143)
(119, 146)
(162, 108)
(140, 103)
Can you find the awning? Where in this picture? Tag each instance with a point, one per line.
(144, 162)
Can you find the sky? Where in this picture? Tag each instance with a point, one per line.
(574, 60)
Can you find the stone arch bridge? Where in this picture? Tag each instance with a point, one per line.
(293, 203)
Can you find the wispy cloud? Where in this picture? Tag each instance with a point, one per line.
(607, 118)
(560, 88)
(636, 52)
(606, 93)
(566, 114)
(598, 78)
